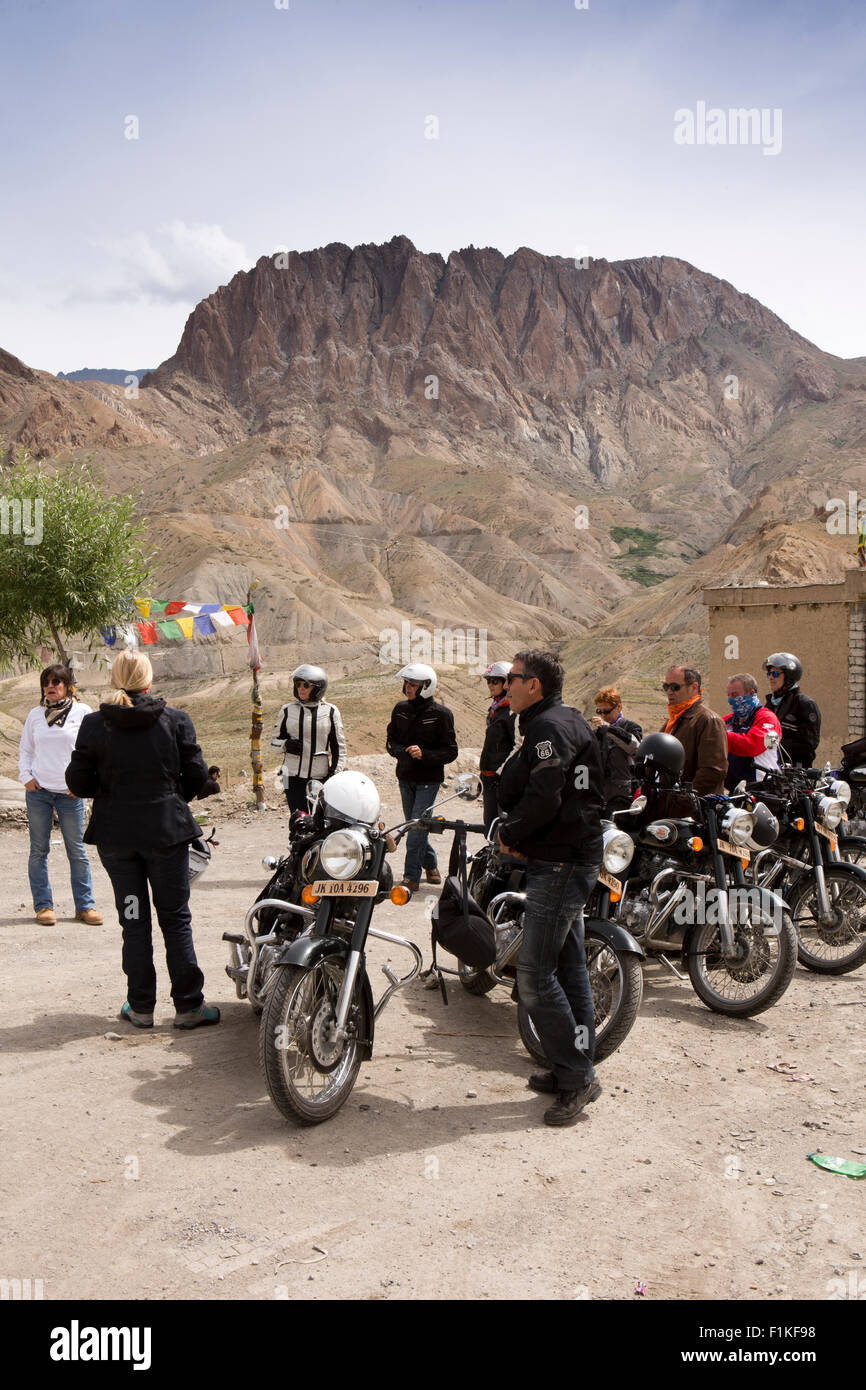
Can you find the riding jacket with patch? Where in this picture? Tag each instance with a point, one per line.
(312, 735)
(498, 737)
(429, 725)
(748, 759)
(800, 719)
(551, 790)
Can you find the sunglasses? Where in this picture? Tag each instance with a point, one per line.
(771, 671)
(517, 676)
(609, 710)
(672, 685)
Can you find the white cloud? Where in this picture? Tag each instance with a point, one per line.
(179, 263)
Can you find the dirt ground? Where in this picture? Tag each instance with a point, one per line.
(156, 1166)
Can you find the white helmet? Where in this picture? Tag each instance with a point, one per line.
(497, 671)
(418, 672)
(350, 796)
(317, 678)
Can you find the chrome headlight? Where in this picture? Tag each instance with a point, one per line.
(343, 852)
(737, 826)
(841, 791)
(618, 851)
(831, 811)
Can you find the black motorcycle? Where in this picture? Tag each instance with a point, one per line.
(613, 957)
(816, 868)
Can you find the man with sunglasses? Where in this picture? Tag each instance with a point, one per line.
(699, 729)
(551, 796)
(798, 715)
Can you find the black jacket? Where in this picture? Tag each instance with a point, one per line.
(617, 747)
(551, 790)
(498, 738)
(141, 764)
(800, 719)
(429, 725)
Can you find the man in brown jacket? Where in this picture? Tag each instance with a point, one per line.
(700, 731)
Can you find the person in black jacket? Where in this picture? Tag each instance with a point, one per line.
(798, 715)
(421, 737)
(498, 737)
(551, 794)
(140, 762)
(618, 740)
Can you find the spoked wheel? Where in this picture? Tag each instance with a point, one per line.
(616, 980)
(852, 848)
(765, 963)
(835, 946)
(310, 1074)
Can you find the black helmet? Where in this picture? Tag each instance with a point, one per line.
(766, 828)
(315, 675)
(787, 662)
(660, 757)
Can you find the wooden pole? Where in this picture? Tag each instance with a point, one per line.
(257, 717)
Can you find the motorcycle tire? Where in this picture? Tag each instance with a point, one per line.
(477, 980)
(813, 938)
(852, 848)
(706, 958)
(618, 1021)
(309, 1076)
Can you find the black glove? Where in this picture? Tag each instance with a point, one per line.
(293, 745)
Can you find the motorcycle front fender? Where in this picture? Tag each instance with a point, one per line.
(614, 936)
(851, 870)
(308, 951)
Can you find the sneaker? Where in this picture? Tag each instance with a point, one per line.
(45, 917)
(543, 1081)
(411, 883)
(433, 876)
(90, 917)
(194, 1018)
(569, 1104)
(128, 1014)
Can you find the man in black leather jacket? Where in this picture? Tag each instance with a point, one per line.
(550, 793)
(797, 713)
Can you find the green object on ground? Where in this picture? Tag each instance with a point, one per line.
(839, 1165)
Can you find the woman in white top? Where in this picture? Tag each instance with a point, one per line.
(49, 735)
(310, 732)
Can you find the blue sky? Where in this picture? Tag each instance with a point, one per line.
(261, 127)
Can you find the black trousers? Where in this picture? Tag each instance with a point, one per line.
(166, 872)
(296, 793)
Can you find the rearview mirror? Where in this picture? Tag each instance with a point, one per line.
(314, 791)
(469, 786)
(771, 739)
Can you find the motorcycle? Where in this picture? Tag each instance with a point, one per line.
(318, 1018)
(817, 870)
(677, 883)
(613, 957)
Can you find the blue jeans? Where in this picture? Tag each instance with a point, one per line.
(167, 872)
(41, 805)
(417, 799)
(552, 979)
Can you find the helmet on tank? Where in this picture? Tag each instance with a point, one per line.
(765, 831)
(787, 663)
(497, 670)
(659, 758)
(419, 674)
(350, 796)
(315, 675)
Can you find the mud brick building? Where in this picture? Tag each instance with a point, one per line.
(823, 624)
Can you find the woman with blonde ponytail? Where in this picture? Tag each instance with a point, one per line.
(140, 762)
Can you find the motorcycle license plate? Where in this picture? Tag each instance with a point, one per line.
(614, 884)
(352, 888)
(738, 851)
(828, 834)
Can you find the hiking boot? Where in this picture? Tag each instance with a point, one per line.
(543, 1081)
(569, 1104)
(411, 883)
(90, 917)
(433, 876)
(45, 917)
(128, 1014)
(195, 1018)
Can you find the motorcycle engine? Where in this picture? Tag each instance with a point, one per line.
(638, 912)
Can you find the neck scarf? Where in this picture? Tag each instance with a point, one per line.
(498, 703)
(675, 711)
(745, 707)
(56, 713)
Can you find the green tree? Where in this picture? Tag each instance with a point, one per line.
(70, 556)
